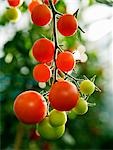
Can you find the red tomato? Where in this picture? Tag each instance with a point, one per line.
(30, 107)
(41, 15)
(33, 4)
(65, 61)
(63, 95)
(43, 50)
(47, 1)
(67, 25)
(14, 3)
(41, 73)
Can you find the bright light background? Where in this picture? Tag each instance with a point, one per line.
(97, 21)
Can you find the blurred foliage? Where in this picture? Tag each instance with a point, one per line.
(107, 2)
(83, 132)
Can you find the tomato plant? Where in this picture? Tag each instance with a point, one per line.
(65, 92)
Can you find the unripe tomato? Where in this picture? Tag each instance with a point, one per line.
(67, 25)
(81, 107)
(41, 15)
(47, 1)
(87, 87)
(33, 4)
(65, 61)
(41, 73)
(30, 107)
(63, 95)
(72, 114)
(49, 132)
(57, 118)
(12, 14)
(15, 3)
(43, 50)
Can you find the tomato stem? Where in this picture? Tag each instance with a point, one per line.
(55, 12)
(76, 13)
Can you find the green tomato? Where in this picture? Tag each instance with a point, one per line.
(87, 87)
(57, 118)
(81, 107)
(72, 114)
(12, 14)
(49, 132)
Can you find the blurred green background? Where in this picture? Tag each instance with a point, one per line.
(93, 130)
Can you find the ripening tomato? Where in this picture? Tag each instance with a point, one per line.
(41, 15)
(12, 14)
(63, 95)
(15, 3)
(67, 25)
(33, 4)
(43, 50)
(65, 61)
(47, 1)
(87, 87)
(41, 73)
(30, 107)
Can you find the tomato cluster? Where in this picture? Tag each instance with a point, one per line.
(65, 97)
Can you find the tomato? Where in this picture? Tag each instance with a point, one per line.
(41, 73)
(81, 107)
(30, 107)
(63, 95)
(15, 3)
(41, 15)
(65, 61)
(49, 132)
(67, 25)
(12, 14)
(47, 1)
(57, 118)
(43, 50)
(33, 4)
(87, 87)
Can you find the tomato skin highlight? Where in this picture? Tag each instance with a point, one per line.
(30, 107)
(67, 25)
(63, 96)
(43, 50)
(65, 61)
(41, 73)
(41, 15)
